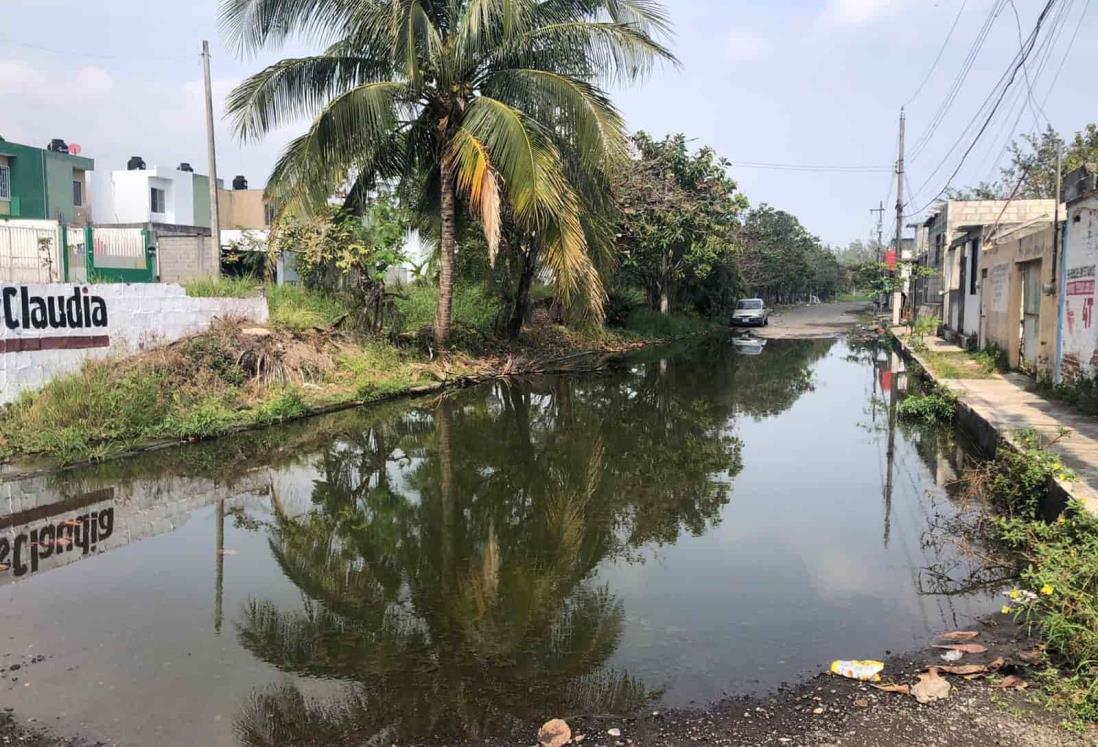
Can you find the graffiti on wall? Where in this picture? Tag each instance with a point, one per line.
(1080, 335)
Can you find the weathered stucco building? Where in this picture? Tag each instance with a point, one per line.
(1078, 334)
(1019, 303)
(954, 233)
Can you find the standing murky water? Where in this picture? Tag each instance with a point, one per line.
(711, 520)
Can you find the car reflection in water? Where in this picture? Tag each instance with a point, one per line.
(749, 345)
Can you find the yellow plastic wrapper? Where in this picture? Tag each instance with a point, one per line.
(866, 670)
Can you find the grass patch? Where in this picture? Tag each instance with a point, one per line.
(1081, 393)
(652, 325)
(224, 287)
(959, 365)
(848, 297)
(473, 307)
(377, 370)
(299, 309)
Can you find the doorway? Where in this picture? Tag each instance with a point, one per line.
(1031, 315)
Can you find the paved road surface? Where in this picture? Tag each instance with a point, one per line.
(821, 320)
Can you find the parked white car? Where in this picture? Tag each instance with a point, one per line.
(751, 312)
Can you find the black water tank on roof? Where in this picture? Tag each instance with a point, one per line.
(184, 166)
(136, 163)
(239, 182)
(57, 145)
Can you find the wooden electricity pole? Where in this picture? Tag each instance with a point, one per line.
(215, 216)
(897, 298)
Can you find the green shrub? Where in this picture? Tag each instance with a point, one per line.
(1022, 475)
(223, 287)
(991, 359)
(298, 308)
(652, 325)
(377, 369)
(621, 302)
(285, 405)
(208, 417)
(1059, 600)
(931, 407)
(473, 306)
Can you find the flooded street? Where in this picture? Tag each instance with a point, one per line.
(695, 522)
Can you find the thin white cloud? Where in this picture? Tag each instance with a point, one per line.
(858, 12)
(19, 77)
(745, 45)
(113, 118)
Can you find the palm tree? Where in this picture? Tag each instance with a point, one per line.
(470, 100)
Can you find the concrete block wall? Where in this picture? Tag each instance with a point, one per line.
(133, 317)
(183, 258)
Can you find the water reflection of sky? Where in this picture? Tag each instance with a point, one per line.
(797, 572)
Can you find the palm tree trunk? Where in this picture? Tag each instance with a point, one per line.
(522, 295)
(446, 260)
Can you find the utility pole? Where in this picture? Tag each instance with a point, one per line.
(879, 210)
(215, 217)
(880, 226)
(897, 298)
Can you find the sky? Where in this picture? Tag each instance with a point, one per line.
(789, 82)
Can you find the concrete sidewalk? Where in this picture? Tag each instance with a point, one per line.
(1005, 404)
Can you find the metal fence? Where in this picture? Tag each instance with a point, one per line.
(49, 252)
(30, 252)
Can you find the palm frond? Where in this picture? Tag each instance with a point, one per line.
(249, 25)
(486, 23)
(582, 114)
(477, 181)
(415, 40)
(356, 130)
(616, 52)
(294, 88)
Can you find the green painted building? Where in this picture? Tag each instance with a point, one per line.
(41, 184)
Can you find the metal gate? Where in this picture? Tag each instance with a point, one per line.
(76, 253)
(122, 255)
(109, 255)
(1031, 314)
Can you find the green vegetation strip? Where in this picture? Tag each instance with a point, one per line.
(1057, 595)
(233, 377)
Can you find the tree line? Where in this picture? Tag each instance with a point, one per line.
(489, 124)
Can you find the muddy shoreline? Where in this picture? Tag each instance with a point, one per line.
(824, 710)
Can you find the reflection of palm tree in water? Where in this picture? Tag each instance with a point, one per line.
(440, 624)
(446, 563)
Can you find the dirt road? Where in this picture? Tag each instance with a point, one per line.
(821, 320)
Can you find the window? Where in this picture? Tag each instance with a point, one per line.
(156, 200)
(5, 183)
(268, 213)
(77, 193)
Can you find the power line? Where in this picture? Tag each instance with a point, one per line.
(90, 55)
(1044, 55)
(807, 167)
(958, 82)
(1003, 88)
(941, 51)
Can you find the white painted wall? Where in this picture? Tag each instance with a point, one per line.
(971, 300)
(123, 196)
(138, 316)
